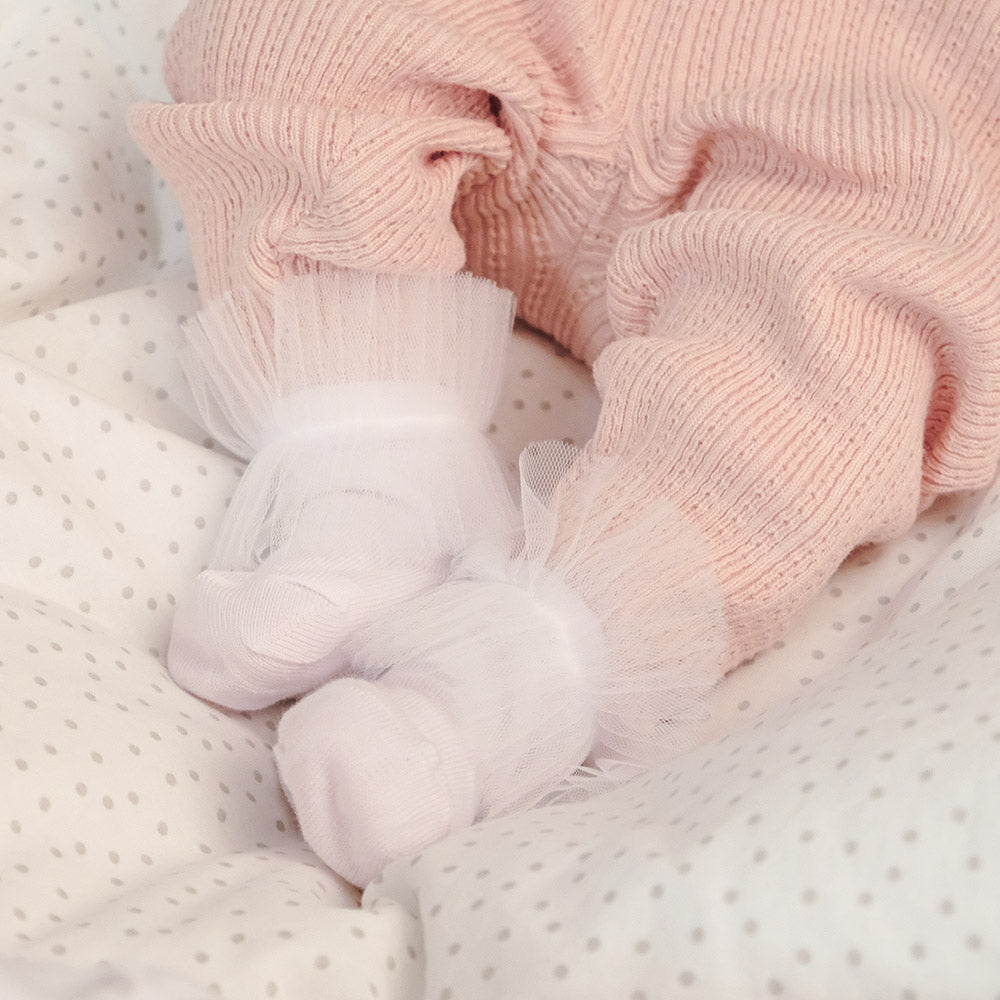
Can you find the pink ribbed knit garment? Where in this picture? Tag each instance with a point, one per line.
(774, 229)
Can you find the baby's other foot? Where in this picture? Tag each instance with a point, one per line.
(374, 773)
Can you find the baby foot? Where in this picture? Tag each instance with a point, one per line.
(247, 639)
(360, 405)
(468, 702)
(374, 773)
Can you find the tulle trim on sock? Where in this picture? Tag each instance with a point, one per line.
(372, 383)
(634, 585)
(346, 329)
(581, 645)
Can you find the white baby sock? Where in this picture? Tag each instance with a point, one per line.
(468, 700)
(585, 635)
(361, 411)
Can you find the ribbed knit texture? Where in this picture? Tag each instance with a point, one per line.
(778, 222)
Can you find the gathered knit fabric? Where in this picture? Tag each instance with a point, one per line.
(773, 229)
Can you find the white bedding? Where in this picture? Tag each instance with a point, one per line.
(835, 837)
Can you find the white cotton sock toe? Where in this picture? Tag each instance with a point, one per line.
(249, 639)
(374, 773)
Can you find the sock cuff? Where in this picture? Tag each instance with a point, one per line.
(630, 591)
(349, 349)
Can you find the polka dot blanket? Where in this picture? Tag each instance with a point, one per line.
(835, 836)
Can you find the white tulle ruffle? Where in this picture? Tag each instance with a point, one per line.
(344, 329)
(366, 383)
(644, 575)
(601, 621)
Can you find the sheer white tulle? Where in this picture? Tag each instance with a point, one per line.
(378, 383)
(634, 586)
(361, 409)
(584, 642)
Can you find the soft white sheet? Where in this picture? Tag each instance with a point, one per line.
(835, 837)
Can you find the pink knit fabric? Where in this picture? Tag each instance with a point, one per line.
(773, 228)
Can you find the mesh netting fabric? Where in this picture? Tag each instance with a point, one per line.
(344, 328)
(635, 585)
